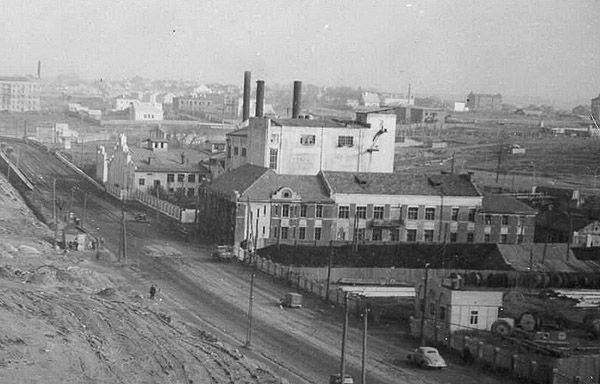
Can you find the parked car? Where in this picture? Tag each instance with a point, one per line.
(336, 379)
(291, 300)
(223, 253)
(427, 357)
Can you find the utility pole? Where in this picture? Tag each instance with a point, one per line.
(84, 208)
(123, 248)
(452, 168)
(364, 351)
(54, 216)
(424, 304)
(157, 202)
(329, 270)
(344, 334)
(499, 163)
(250, 300)
(196, 218)
(82, 146)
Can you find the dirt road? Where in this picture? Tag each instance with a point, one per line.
(198, 321)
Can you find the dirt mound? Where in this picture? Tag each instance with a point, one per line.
(48, 275)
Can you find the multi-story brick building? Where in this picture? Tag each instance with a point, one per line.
(484, 102)
(19, 94)
(305, 146)
(363, 207)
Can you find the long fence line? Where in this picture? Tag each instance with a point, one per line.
(535, 368)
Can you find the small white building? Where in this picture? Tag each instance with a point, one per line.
(121, 103)
(451, 307)
(587, 236)
(307, 146)
(460, 106)
(145, 112)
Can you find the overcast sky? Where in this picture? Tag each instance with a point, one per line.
(536, 48)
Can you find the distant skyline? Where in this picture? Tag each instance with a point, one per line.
(546, 49)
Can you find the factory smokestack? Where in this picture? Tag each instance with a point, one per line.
(39, 69)
(246, 100)
(260, 97)
(297, 101)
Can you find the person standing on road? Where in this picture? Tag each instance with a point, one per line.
(152, 291)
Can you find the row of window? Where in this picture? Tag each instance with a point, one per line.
(288, 210)
(191, 178)
(287, 233)
(377, 235)
(236, 151)
(378, 213)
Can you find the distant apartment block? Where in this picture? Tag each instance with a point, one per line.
(224, 106)
(19, 94)
(484, 102)
(596, 108)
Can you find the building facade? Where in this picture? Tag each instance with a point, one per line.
(305, 146)
(225, 106)
(484, 102)
(595, 108)
(145, 112)
(362, 208)
(153, 165)
(19, 94)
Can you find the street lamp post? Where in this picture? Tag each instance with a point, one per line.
(424, 303)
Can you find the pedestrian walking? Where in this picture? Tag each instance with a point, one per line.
(152, 291)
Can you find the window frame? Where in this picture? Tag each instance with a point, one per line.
(454, 214)
(318, 233)
(308, 139)
(412, 213)
(378, 212)
(429, 213)
(361, 212)
(318, 210)
(345, 141)
(428, 235)
(343, 212)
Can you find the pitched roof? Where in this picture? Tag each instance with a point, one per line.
(167, 161)
(238, 132)
(399, 184)
(238, 179)
(542, 257)
(259, 183)
(505, 204)
(17, 78)
(319, 123)
(310, 188)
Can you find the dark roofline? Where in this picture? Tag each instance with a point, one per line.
(19, 78)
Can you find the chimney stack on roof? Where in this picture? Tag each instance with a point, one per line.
(260, 98)
(246, 99)
(297, 101)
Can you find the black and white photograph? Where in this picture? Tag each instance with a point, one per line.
(300, 192)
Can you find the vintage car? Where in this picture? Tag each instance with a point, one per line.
(223, 253)
(426, 357)
(336, 379)
(291, 300)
